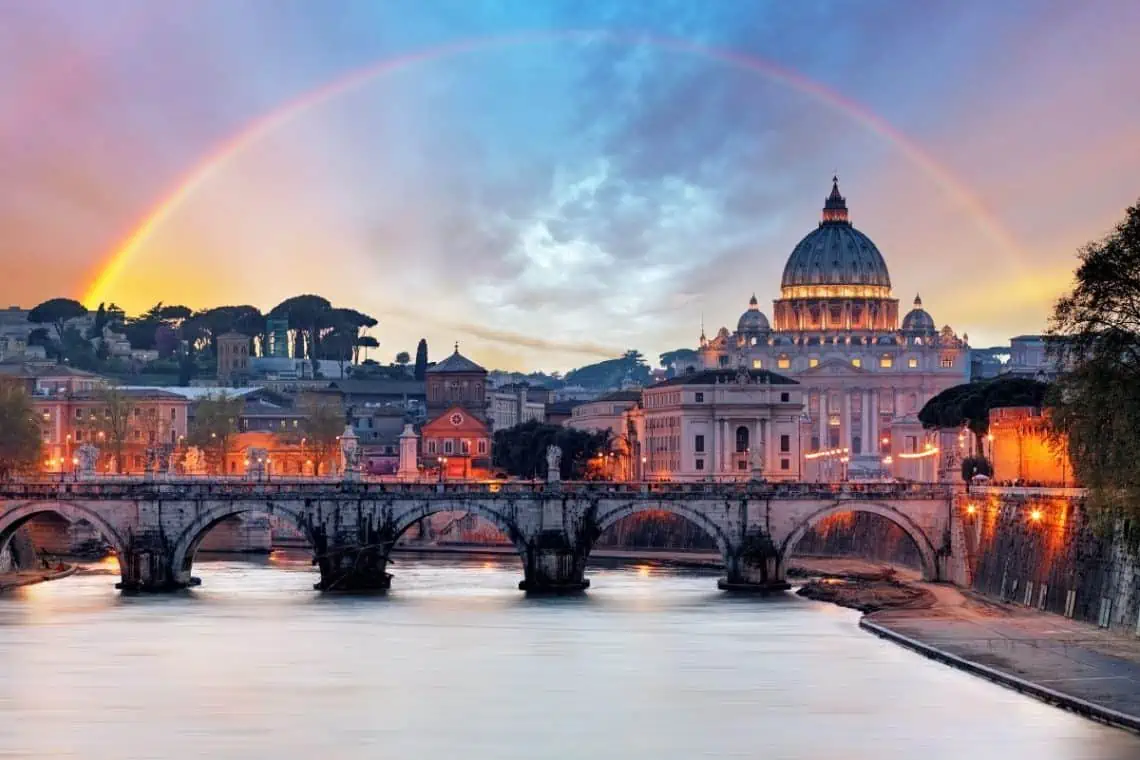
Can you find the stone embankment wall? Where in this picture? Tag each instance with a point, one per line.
(1039, 548)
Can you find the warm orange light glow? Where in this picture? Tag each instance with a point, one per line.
(920, 454)
(1035, 515)
(971, 509)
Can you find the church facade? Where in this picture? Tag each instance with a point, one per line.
(862, 373)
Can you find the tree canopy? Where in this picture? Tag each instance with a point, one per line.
(969, 404)
(1095, 335)
(57, 312)
(214, 426)
(20, 435)
(420, 370)
(521, 450)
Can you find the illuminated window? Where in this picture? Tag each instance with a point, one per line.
(757, 364)
(886, 362)
(482, 445)
(784, 362)
(856, 362)
(813, 362)
(912, 363)
(947, 362)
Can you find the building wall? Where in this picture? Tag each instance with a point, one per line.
(1021, 449)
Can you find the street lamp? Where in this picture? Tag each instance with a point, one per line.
(442, 461)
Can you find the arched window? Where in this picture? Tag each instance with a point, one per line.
(741, 439)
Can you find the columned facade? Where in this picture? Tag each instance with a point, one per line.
(863, 375)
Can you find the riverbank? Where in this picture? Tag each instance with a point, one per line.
(13, 580)
(1076, 666)
(1072, 665)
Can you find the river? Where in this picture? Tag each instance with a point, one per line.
(455, 663)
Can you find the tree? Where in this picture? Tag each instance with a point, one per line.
(109, 423)
(421, 359)
(323, 424)
(521, 450)
(307, 315)
(684, 356)
(366, 342)
(214, 426)
(974, 466)
(57, 312)
(969, 404)
(403, 358)
(1095, 403)
(20, 435)
(96, 332)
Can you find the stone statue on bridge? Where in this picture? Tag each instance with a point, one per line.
(193, 463)
(88, 456)
(349, 454)
(553, 463)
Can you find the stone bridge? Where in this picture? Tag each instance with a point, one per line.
(155, 526)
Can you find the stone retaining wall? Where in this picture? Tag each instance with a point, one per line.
(1041, 551)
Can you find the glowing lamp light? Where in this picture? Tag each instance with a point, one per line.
(1035, 515)
(971, 509)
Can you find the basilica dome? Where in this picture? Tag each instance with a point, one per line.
(918, 319)
(836, 254)
(753, 320)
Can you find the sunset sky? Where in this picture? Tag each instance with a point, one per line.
(551, 183)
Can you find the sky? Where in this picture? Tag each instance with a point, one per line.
(551, 183)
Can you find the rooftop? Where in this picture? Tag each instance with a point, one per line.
(457, 362)
(725, 377)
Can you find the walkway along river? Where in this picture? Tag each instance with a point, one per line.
(453, 662)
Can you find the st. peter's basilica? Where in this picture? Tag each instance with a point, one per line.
(835, 329)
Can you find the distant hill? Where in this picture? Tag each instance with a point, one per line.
(611, 373)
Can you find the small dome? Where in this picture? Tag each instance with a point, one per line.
(753, 320)
(918, 319)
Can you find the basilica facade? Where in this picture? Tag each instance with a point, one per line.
(863, 373)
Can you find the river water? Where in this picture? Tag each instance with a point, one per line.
(455, 663)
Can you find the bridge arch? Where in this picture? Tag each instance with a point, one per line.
(610, 515)
(917, 535)
(16, 517)
(503, 519)
(186, 546)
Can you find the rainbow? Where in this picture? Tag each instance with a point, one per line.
(100, 288)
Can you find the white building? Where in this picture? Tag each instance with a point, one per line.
(719, 424)
(511, 405)
(862, 375)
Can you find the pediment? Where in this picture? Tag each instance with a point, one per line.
(834, 367)
(455, 420)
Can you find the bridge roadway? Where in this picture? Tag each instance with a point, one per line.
(156, 525)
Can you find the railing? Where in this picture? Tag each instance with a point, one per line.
(124, 487)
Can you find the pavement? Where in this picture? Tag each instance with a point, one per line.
(1075, 665)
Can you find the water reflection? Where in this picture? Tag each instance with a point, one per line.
(454, 662)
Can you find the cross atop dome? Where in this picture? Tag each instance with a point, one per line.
(835, 207)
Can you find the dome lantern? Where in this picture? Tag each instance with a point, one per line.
(835, 207)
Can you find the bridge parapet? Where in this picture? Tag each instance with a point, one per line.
(245, 489)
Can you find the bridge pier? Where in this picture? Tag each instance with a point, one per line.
(150, 571)
(764, 576)
(354, 570)
(552, 565)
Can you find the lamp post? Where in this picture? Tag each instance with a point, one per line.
(442, 461)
